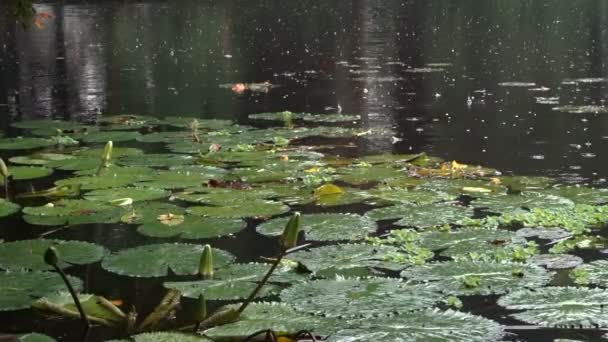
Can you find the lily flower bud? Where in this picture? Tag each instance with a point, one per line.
(205, 268)
(51, 256)
(289, 239)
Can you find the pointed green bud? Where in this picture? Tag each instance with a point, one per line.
(205, 268)
(51, 256)
(289, 239)
(107, 152)
(4, 169)
(201, 309)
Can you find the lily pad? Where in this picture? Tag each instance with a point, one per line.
(279, 317)
(252, 209)
(29, 254)
(556, 261)
(135, 193)
(193, 227)
(222, 289)
(338, 258)
(169, 337)
(578, 219)
(581, 194)
(325, 227)
(36, 337)
(595, 272)
(408, 196)
(422, 326)
(72, 212)
(559, 306)
(478, 278)
(27, 172)
(526, 199)
(174, 180)
(344, 298)
(330, 118)
(156, 160)
(146, 212)
(39, 158)
(19, 290)
(22, 143)
(161, 259)
(422, 216)
(105, 136)
(113, 177)
(98, 309)
(8, 208)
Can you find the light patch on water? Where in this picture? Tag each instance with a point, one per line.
(573, 109)
(438, 65)
(379, 79)
(539, 89)
(537, 157)
(585, 80)
(588, 155)
(517, 84)
(363, 72)
(547, 100)
(424, 70)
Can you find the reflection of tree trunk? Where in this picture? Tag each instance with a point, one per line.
(59, 86)
(8, 76)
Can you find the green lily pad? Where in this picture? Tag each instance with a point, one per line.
(279, 317)
(169, 337)
(36, 337)
(559, 306)
(421, 216)
(127, 122)
(224, 196)
(556, 261)
(366, 174)
(22, 143)
(222, 289)
(135, 193)
(330, 118)
(581, 194)
(478, 278)
(526, 199)
(75, 164)
(8, 208)
(105, 136)
(185, 122)
(117, 152)
(113, 177)
(27, 172)
(345, 298)
(193, 227)
(336, 258)
(578, 219)
(408, 196)
(29, 254)
(325, 227)
(252, 209)
(422, 326)
(38, 159)
(156, 160)
(161, 259)
(72, 212)
(148, 212)
(174, 180)
(19, 290)
(594, 272)
(47, 124)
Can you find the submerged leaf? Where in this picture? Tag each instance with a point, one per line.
(19, 290)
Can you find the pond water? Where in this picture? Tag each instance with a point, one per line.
(516, 86)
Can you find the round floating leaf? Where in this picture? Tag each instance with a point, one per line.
(556, 261)
(169, 337)
(279, 317)
(405, 195)
(35, 337)
(135, 193)
(112, 177)
(75, 164)
(348, 298)
(258, 208)
(186, 122)
(422, 216)
(47, 124)
(544, 233)
(156, 160)
(127, 122)
(465, 241)
(193, 227)
(559, 306)
(8, 208)
(325, 227)
(595, 272)
(39, 158)
(526, 199)
(478, 278)
(578, 219)
(330, 118)
(224, 196)
(29, 254)
(366, 174)
(117, 152)
(581, 194)
(72, 212)
(21, 143)
(422, 326)
(221, 289)
(150, 211)
(347, 256)
(174, 180)
(27, 172)
(105, 136)
(160, 259)
(19, 290)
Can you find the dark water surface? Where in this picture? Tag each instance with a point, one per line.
(431, 72)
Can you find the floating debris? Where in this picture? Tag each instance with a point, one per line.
(585, 80)
(424, 70)
(547, 100)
